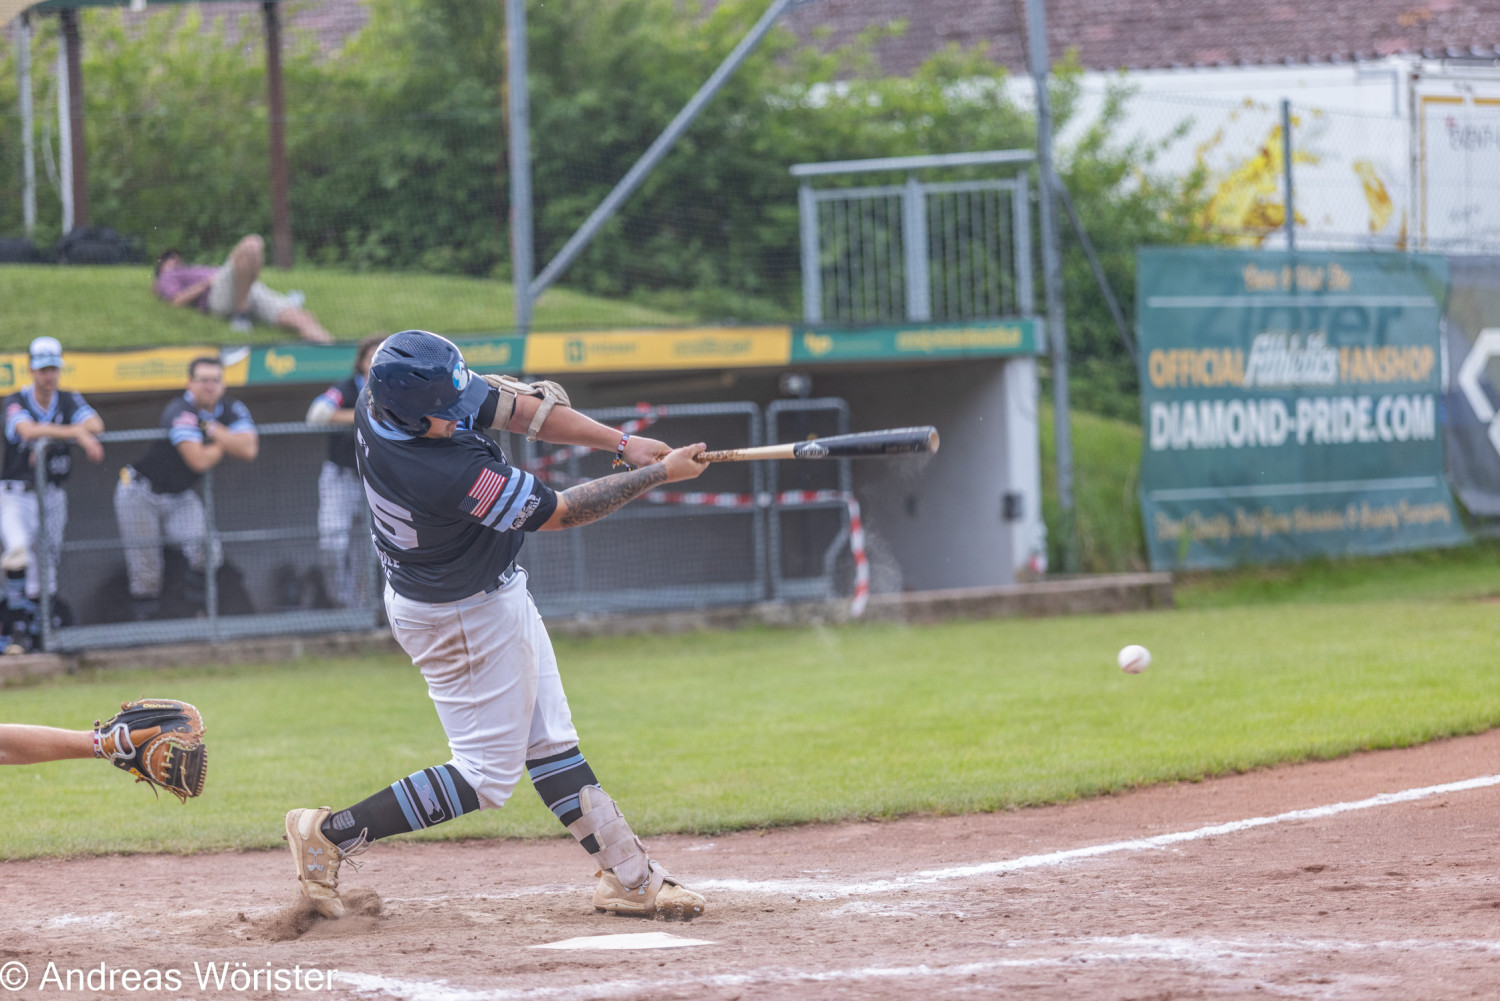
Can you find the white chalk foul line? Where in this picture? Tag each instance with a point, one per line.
(811, 889)
(1220, 955)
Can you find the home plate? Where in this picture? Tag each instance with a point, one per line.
(632, 940)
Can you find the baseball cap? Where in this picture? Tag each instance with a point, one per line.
(46, 352)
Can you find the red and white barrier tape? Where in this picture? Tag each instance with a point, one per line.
(790, 498)
(787, 498)
(861, 562)
(541, 467)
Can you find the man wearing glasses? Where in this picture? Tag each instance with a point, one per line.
(155, 501)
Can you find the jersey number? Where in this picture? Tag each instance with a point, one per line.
(392, 521)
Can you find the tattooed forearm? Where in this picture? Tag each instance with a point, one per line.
(588, 502)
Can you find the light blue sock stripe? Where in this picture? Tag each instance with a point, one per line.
(562, 806)
(542, 771)
(406, 807)
(451, 790)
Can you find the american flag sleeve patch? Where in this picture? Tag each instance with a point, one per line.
(481, 496)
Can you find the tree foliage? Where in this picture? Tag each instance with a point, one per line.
(397, 148)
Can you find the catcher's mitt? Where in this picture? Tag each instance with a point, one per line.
(159, 741)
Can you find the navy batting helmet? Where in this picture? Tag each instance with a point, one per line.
(416, 375)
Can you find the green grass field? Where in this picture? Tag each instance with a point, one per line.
(1106, 485)
(109, 308)
(715, 731)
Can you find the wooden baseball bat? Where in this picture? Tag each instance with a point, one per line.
(896, 441)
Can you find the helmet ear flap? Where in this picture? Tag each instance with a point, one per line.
(387, 416)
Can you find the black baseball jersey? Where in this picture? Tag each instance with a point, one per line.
(66, 408)
(342, 397)
(162, 465)
(448, 513)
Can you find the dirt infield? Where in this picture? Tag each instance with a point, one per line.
(1161, 893)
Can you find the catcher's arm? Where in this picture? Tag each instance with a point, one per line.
(160, 742)
(27, 744)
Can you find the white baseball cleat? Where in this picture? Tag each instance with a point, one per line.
(317, 859)
(659, 896)
(629, 882)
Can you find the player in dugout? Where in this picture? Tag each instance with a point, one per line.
(41, 422)
(341, 496)
(155, 500)
(449, 514)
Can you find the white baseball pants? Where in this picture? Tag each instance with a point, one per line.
(146, 518)
(341, 504)
(493, 677)
(20, 522)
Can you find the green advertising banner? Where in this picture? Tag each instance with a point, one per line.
(314, 363)
(663, 350)
(977, 338)
(1291, 405)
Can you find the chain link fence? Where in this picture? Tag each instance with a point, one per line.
(741, 533)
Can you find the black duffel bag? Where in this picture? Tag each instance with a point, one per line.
(18, 250)
(99, 245)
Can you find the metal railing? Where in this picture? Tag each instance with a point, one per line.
(915, 251)
(728, 538)
(264, 546)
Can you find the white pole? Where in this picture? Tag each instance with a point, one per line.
(64, 140)
(28, 138)
(522, 243)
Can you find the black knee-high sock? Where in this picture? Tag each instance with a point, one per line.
(557, 779)
(15, 588)
(422, 799)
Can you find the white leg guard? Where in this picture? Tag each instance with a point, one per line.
(629, 882)
(619, 849)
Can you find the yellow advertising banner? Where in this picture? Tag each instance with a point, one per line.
(122, 371)
(638, 350)
(654, 350)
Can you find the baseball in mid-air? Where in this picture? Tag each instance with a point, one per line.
(1134, 659)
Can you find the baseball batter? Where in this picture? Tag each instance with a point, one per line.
(341, 497)
(41, 421)
(155, 498)
(449, 515)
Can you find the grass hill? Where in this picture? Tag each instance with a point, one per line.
(111, 308)
(1106, 502)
